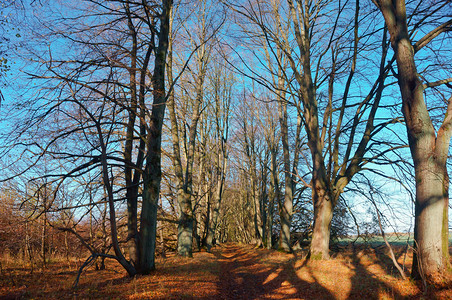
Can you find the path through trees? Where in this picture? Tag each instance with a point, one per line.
(232, 271)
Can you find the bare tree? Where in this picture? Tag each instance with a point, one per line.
(222, 82)
(96, 112)
(429, 146)
(311, 53)
(201, 42)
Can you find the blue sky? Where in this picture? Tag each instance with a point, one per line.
(18, 90)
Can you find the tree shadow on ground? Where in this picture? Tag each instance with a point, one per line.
(435, 290)
(244, 276)
(234, 272)
(246, 273)
(365, 285)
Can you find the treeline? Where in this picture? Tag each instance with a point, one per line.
(175, 126)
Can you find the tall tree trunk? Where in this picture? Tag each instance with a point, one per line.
(323, 207)
(428, 149)
(201, 222)
(131, 270)
(212, 225)
(153, 172)
(185, 181)
(274, 192)
(263, 199)
(44, 227)
(251, 156)
(323, 214)
(148, 226)
(321, 197)
(185, 226)
(222, 105)
(258, 222)
(217, 202)
(431, 218)
(285, 208)
(131, 190)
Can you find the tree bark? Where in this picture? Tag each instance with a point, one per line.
(323, 214)
(274, 192)
(131, 190)
(222, 85)
(184, 176)
(153, 172)
(428, 149)
(44, 227)
(285, 208)
(431, 217)
(217, 202)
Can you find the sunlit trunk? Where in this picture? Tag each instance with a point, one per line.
(429, 149)
(286, 220)
(430, 218)
(323, 214)
(215, 212)
(185, 226)
(323, 206)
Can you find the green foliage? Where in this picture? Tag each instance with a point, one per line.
(317, 256)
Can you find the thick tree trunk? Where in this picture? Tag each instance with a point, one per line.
(322, 201)
(323, 207)
(429, 150)
(216, 207)
(132, 224)
(185, 181)
(148, 227)
(431, 220)
(285, 213)
(212, 226)
(321, 197)
(185, 227)
(323, 214)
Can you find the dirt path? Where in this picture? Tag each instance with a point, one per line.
(241, 275)
(247, 274)
(232, 271)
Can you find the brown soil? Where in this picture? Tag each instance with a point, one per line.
(231, 272)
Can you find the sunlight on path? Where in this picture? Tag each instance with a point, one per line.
(245, 275)
(250, 273)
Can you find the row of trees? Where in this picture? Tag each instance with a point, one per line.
(32, 234)
(278, 111)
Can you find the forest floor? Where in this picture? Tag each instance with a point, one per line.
(232, 271)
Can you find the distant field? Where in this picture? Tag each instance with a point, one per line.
(399, 239)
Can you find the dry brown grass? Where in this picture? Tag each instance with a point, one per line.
(231, 272)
